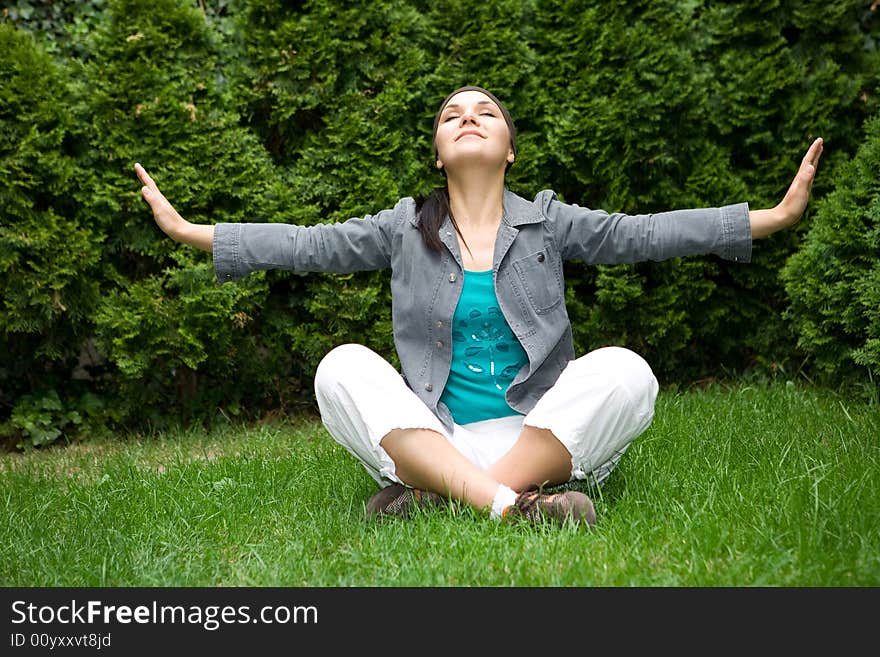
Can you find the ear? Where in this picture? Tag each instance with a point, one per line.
(510, 156)
(439, 164)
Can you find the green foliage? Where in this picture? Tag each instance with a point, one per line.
(834, 280)
(266, 110)
(61, 24)
(42, 419)
(48, 255)
(178, 342)
(164, 330)
(652, 106)
(636, 107)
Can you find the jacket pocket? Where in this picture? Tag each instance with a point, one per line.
(541, 279)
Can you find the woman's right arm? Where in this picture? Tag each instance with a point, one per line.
(358, 244)
(172, 224)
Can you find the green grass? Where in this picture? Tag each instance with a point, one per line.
(731, 486)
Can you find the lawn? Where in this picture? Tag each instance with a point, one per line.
(741, 485)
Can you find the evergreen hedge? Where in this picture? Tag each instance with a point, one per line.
(49, 255)
(834, 280)
(263, 110)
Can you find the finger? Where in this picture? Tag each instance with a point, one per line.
(807, 170)
(806, 173)
(819, 152)
(145, 177)
(141, 173)
(814, 153)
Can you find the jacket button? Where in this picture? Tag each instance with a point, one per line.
(439, 344)
(439, 324)
(452, 278)
(540, 257)
(429, 387)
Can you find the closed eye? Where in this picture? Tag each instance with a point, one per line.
(450, 117)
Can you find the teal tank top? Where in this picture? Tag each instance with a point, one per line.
(485, 354)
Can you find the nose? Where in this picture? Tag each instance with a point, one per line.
(468, 115)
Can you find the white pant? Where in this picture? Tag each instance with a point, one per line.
(596, 408)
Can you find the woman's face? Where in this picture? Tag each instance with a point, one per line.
(472, 130)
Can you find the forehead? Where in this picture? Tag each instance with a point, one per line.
(472, 97)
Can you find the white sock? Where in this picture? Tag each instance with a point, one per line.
(504, 497)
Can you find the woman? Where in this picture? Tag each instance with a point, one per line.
(492, 404)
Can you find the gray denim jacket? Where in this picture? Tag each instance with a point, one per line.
(534, 239)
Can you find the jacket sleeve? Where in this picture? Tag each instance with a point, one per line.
(597, 237)
(358, 244)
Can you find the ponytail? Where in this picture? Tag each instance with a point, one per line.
(431, 211)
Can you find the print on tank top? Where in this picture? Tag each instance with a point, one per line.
(488, 349)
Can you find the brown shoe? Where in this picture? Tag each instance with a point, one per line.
(537, 506)
(399, 500)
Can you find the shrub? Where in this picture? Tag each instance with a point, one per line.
(49, 252)
(265, 110)
(834, 280)
(651, 106)
(636, 106)
(180, 346)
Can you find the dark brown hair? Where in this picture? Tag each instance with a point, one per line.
(432, 210)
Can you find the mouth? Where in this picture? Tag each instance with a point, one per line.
(469, 132)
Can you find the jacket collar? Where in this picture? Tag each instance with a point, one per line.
(517, 211)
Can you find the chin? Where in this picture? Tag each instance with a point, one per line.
(475, 161)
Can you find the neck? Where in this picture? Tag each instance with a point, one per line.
(476, 200)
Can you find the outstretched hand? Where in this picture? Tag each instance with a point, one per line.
(795, 202)
(168, 219)
(164, 213)
(791, 208)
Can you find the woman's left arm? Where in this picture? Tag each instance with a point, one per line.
(791, 208)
